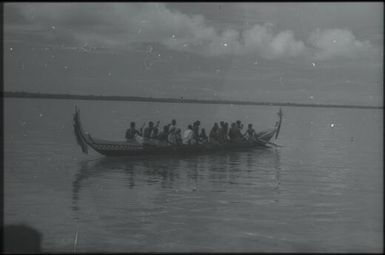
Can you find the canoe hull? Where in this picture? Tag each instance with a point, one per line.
(177, 150)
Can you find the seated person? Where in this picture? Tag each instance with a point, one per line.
(226, 132)
(250, 132)
(188, 135)
(148, 130)
(131, 133)
(232, 132)
(203, 137)
(172, 125)
(235, 132)
(163, 136)
(155, 131)
(213, 136)
(222, 132)
(178, 136)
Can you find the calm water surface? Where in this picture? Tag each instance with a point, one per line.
(321, 192)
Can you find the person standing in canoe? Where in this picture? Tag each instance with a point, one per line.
(195, 129)
(171, 132)
(132, 132)
(172, 136)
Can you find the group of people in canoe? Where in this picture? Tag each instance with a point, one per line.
(170, 134)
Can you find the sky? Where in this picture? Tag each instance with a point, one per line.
(329, 53)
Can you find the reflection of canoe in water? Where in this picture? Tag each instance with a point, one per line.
(148, 147)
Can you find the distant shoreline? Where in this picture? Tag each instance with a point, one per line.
(171, 100)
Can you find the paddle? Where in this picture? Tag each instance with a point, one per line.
(141, 129)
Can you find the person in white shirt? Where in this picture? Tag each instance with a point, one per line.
(188, 135)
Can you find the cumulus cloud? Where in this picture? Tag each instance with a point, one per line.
(118, 25)
(331, 43)
(121, 24)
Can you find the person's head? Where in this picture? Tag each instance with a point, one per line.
(250, 126)
(178, 131)
(132, 124)
(189, 127)
(151, 124)
(239, 123)
(173, 122)
(233, 125)
(215, 125)
(203, 131)
(221, 123)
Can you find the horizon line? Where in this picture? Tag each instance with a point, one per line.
(23, 94)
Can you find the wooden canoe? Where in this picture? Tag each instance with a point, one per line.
(123, 148)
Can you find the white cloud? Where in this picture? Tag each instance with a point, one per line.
(332, 43)
(120, 24)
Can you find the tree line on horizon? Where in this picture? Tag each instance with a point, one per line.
(181, 99)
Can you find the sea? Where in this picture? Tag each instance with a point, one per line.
(319, 190)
